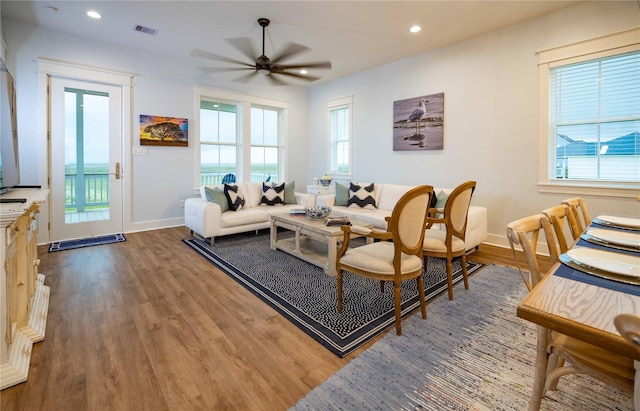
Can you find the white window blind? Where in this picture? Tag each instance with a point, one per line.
(340, 134)
(594, 120)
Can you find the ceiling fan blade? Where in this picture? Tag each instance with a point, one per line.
(296, 75)
(245, 46)
(224, 69)
(212, 56)
(246, 77)
(275, 80)
(292, 49)
(316, 65)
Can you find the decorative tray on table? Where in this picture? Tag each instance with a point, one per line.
(606, 264)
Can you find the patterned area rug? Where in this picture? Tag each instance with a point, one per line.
(472, 353)
(306, 296)
(86, 242)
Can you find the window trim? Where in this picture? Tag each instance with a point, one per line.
(244, 102)
(333, 105)
(609, 45)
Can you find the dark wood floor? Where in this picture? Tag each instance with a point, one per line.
(148, 325)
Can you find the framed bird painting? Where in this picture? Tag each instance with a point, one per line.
(418, 123)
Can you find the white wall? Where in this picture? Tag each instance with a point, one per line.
(161, 87)
(490, 84)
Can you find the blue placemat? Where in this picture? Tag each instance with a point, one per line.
(568, 272)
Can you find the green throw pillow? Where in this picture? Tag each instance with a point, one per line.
(442, 199)
(342, 195)
(215, 195)
(290, 193)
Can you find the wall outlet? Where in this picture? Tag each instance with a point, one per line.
(181, 203)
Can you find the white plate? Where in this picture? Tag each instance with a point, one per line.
(617, 263)
(619, 237)
(620, 221)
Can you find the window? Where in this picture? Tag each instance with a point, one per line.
(340, 135)
(239, 136)
(264, 144)
(218, 141)
(590, 130)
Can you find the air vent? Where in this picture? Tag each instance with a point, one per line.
(146, 30)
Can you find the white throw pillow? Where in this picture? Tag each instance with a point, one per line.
(362, 195)
(272, 193)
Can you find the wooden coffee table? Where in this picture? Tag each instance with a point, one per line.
(313, 242)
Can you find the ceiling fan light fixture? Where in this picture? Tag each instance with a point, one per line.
(94, 14)
(263, 70)
(303, 71)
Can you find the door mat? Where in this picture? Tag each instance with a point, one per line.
(86, 242)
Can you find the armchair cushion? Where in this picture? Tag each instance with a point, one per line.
(362, 195)
(378, 258)
(235, 198)
(215, 195)
(272, 194)
(434, 241)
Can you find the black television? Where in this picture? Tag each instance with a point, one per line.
(9, 158)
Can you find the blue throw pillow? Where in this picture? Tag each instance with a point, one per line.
(290, 193)
(342, 195)
(441, 199)
(215, 195)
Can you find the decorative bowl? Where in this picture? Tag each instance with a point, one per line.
(318, 212)
(325, 182)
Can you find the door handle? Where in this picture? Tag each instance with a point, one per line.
(117, 173)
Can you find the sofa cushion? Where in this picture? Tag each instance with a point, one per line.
(362, 195)
(387, 195)
(272, 194)
(245, 216)
(216, 195)
(234, 197)
(290, 193)
(342, 194)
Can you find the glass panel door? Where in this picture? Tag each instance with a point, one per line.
(86, 136)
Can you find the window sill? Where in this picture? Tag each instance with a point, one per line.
(629, 190)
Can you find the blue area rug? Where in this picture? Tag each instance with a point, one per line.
(86, 242)
(306, 296)
(472, 353)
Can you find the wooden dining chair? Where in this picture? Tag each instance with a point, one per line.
(579, 208)
(556, 348)
(561, 218)
(396, 256)
(449, 244)
(525, 232)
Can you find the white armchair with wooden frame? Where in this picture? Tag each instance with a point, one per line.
(395, 255)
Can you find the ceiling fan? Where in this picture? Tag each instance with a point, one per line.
(273, 68)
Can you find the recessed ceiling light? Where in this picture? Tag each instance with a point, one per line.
(415, 29)
(51, 9)
(94, 14)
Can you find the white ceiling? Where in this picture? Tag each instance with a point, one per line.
(353, 35)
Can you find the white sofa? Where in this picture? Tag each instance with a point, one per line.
(387, 195)
(206, 219)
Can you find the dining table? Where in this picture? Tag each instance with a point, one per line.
(594, 281)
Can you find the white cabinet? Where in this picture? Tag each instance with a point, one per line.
(320, 190)
(24, 299)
